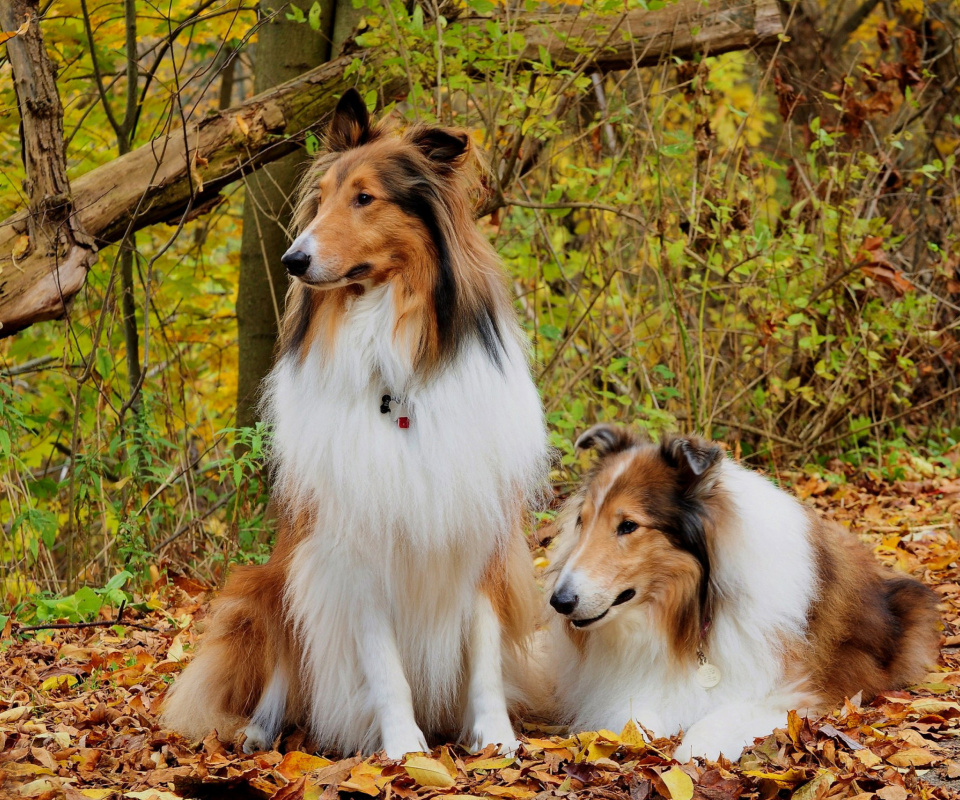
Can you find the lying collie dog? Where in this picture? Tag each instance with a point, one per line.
(694, 595)
(408, 442)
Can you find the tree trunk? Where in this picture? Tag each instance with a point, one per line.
(48, 253)
(154, 183)
(284, 50)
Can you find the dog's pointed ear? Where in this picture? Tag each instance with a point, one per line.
(350, 126)
(696, 459)
(606, 439)
(445, 148)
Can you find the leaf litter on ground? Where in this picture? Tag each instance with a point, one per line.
(79, 710)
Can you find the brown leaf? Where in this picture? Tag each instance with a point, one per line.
(892, 792)
(913, 757)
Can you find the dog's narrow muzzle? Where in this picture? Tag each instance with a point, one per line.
(297, 262)
(564, 601)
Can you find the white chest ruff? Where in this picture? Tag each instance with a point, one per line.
(406, 518)
(474, 447)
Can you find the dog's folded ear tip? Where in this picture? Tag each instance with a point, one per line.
(695, 455)
(605, 438)
(443, 146)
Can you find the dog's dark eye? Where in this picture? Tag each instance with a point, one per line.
(579, 521)
(364, 199)
(625, 527)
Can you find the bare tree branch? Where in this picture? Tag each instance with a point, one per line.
(155, 182)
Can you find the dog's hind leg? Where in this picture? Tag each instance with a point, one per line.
(267, 719)
(487, 719)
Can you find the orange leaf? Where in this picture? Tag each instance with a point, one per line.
(6, 36)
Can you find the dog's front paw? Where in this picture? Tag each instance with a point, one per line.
(702, 742)
(399, 741)
(498, 732)
(257, 739)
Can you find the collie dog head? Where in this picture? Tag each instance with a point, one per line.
(637, 535)
(379, 208)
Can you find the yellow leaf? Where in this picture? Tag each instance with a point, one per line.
(794, 726)
(600, 749)
(912, 757)
(447, 760)
(678, 783)
(489, 763)
(15, 770)
(816, 787)
(429, 772)
(631, 736)
(549, 744)
(296, 764)
(59, 682)
(41, 786)
(22, 244)
(152, 794)
(15, 714)
(929, 705)
(789, 778)
(98, 794)
(584, 740)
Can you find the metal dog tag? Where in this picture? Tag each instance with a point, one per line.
(708, 675)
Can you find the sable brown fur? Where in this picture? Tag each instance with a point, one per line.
(248, 633)
(870, 629)
(867, 629)
(422, 237)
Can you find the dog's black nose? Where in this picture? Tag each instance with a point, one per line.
(564, 601)
(296, 262)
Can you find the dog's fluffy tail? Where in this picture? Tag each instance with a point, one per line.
(221, 687)
(912, 610)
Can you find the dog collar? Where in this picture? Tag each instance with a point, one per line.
(396, 409)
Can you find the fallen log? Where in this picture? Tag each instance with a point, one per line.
(191, 165)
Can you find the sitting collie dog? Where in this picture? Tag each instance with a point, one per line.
(694, 595)
(409, 441)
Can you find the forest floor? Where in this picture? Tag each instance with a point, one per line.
(78, 710)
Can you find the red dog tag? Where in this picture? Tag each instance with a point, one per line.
(403, 422)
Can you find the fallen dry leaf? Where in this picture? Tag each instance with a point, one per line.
(88, 726)
(430, 772)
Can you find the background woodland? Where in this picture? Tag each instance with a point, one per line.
(761, 244)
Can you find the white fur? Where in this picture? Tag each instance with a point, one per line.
(384, 593)
(765, 575)
(487, 719)
(267, 720)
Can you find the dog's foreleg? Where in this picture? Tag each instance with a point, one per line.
(267, 719)
(729, 729)
(389, 691)
(487, 719)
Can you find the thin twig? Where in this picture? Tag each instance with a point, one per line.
(60, 626)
